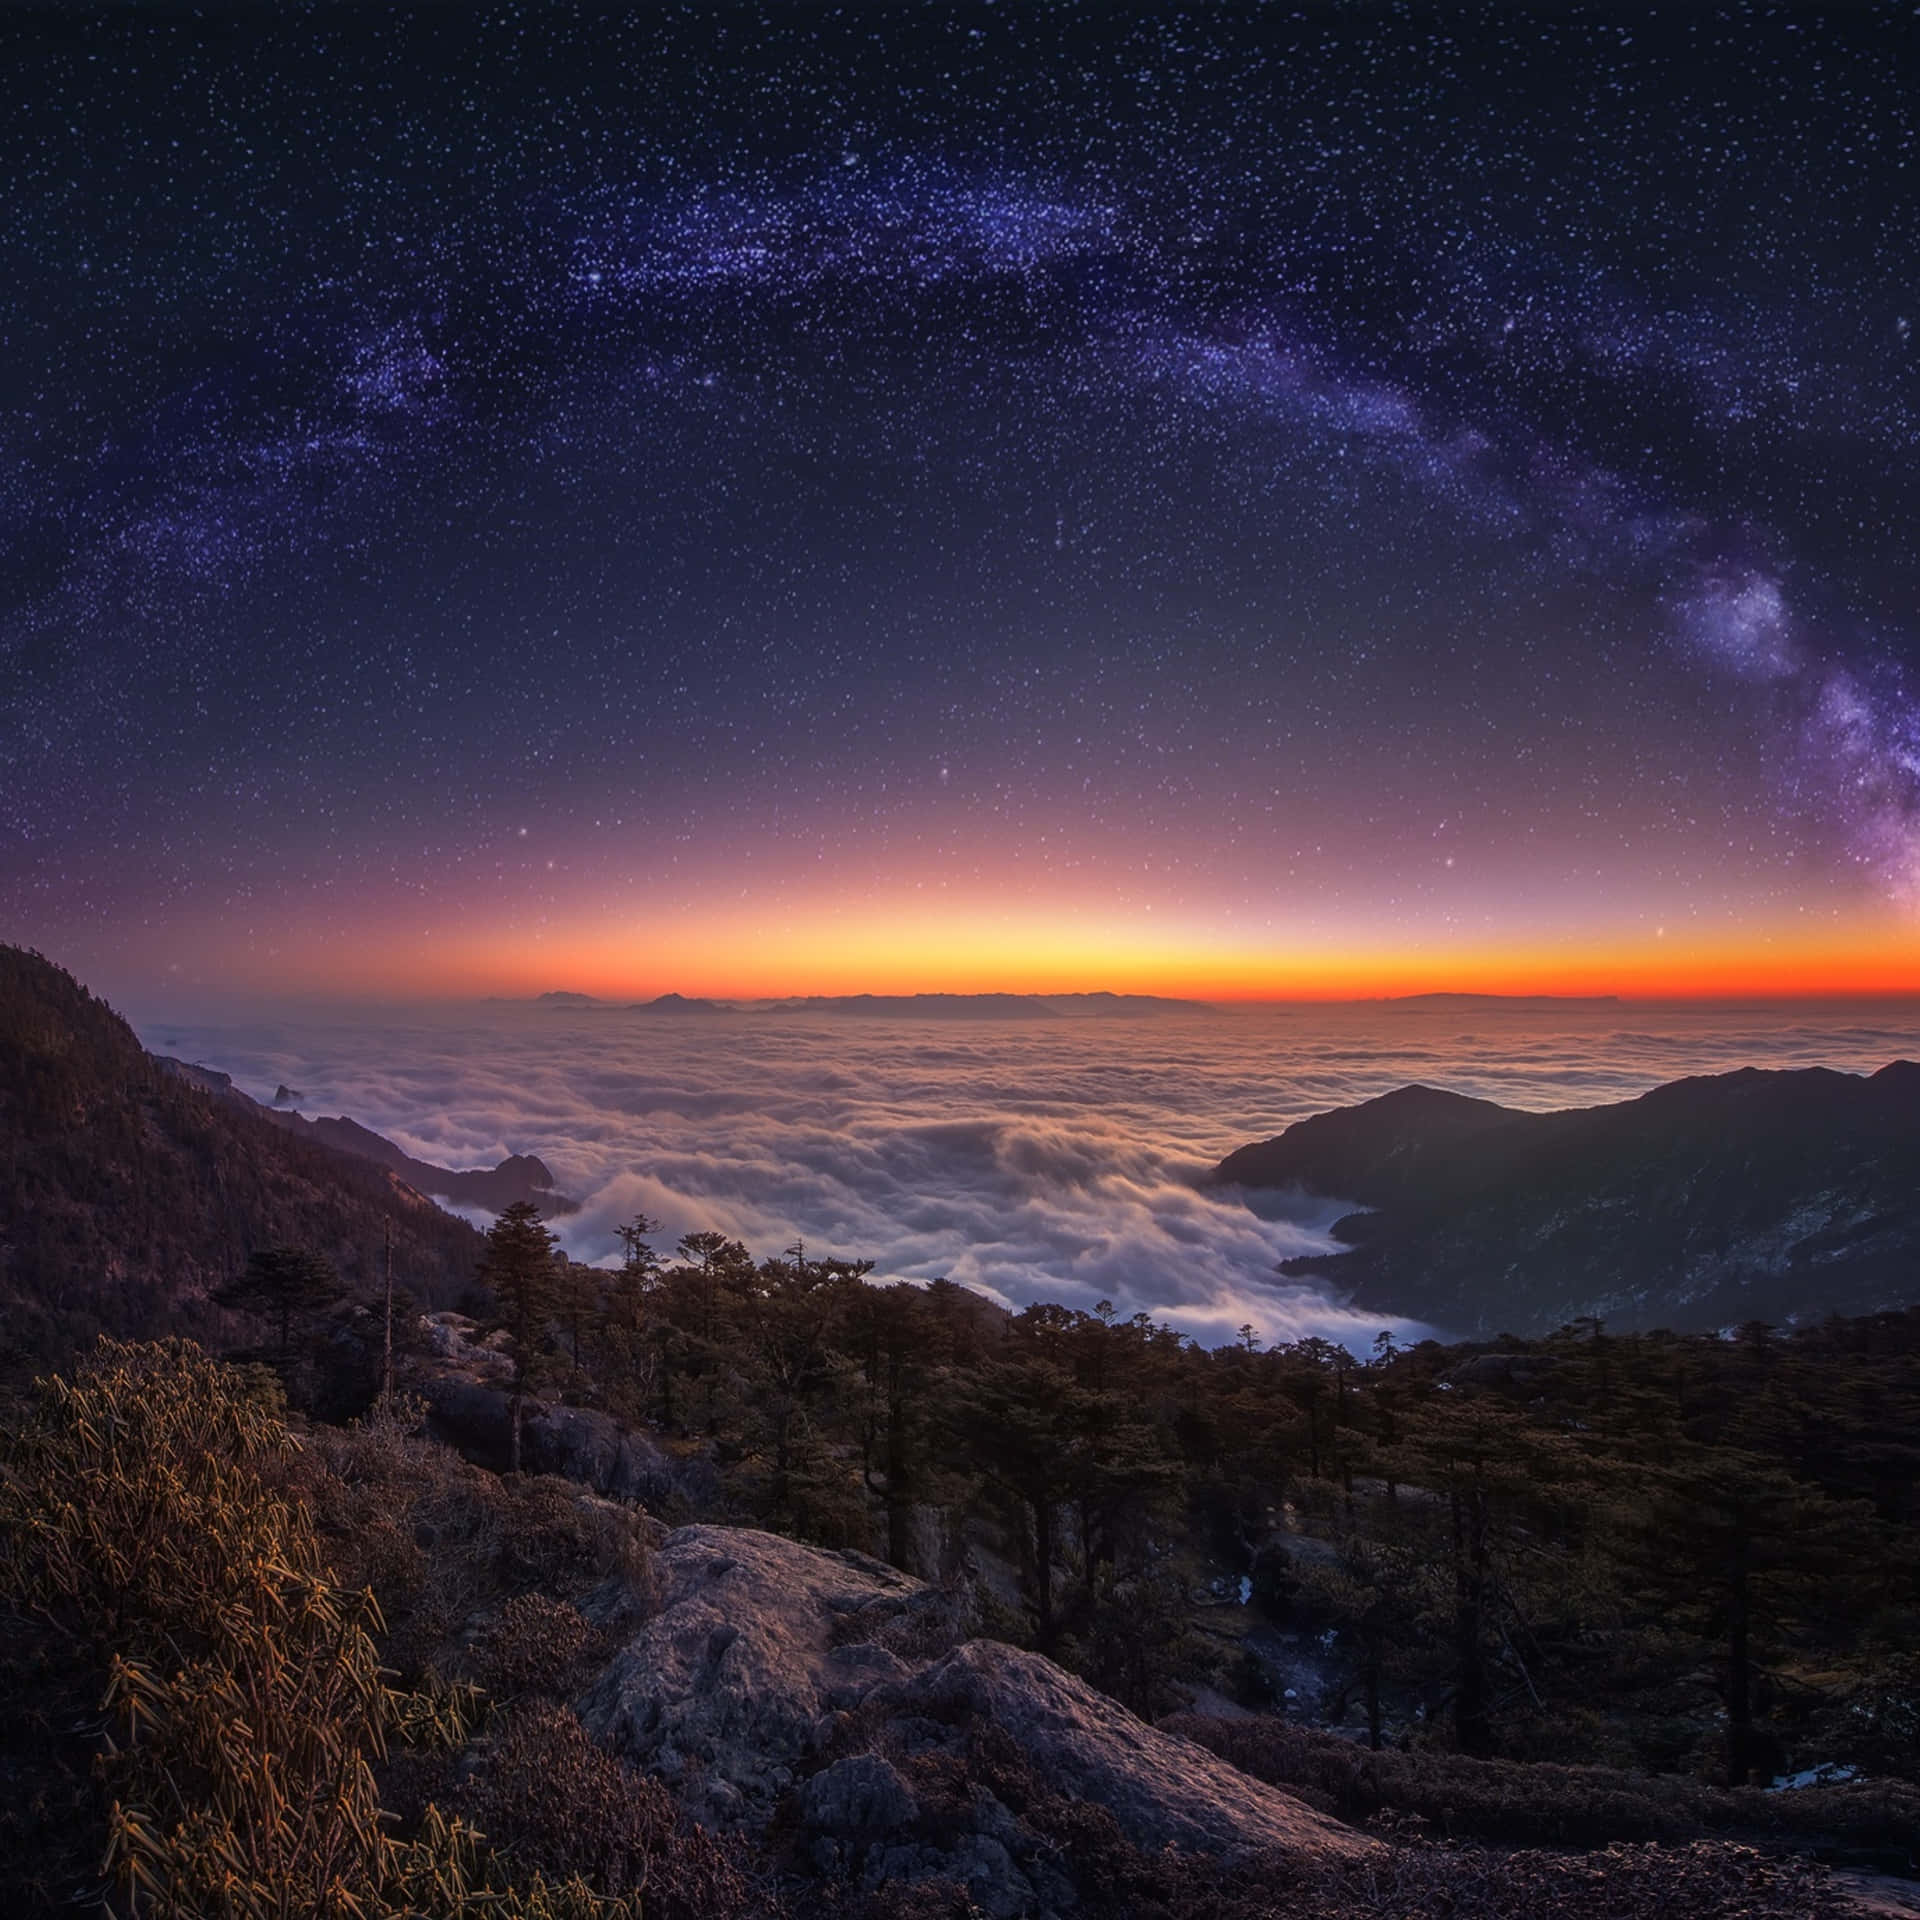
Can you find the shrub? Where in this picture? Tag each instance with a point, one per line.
(243, 1680)
(534, 1646)
(440, 1541)
(560, 1804)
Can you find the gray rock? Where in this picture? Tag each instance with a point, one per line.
(594, 1448)
(855, 1671)
(454, 1338)
(990, 1816)
(859, 1795)
(994, 1884)
(470, 1415)
(977, 1862)
(1163, 1790)
(747, 1671)
(577, 1443)
(738, 1668)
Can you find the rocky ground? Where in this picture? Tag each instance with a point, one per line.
(780, 1687)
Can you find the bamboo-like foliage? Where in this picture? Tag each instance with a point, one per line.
(245, 1696)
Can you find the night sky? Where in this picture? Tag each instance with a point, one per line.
(751, 501)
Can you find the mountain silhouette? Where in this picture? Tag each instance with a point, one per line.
(1772, 1195)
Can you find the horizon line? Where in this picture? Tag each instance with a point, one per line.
(560, 997)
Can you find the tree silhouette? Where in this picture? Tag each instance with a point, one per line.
(519, 1268)
(1021, 1425)
(1494, 1472)
(287, 1286)
(900, 1343)
(1734, 1547)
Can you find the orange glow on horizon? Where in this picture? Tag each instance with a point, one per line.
(744, 953)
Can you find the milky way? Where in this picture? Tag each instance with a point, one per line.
(1358, 479)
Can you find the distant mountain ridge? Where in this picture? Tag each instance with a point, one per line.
(1514, 1002)
(1773, 1195)
(521, 1176)
(909, 1006)
(991, 1006)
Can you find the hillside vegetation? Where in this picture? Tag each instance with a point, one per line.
(128, 1197)
(336, 1679)
(1670, 1552)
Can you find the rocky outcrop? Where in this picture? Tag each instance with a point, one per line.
(471, 1414)
(860, 1795)
(780, 1685)
(732, 1687)
(1164, 1791)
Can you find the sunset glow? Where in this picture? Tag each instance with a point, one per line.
(889, 947)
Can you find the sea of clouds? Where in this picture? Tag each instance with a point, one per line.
(1032, 1160)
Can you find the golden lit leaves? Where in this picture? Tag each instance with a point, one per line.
(244, 1685)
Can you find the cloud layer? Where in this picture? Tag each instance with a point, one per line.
(1032, 1160)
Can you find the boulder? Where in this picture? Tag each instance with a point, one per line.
(978, 1862)
(595, 1449)
(1164, 1791)
(757, 1643)
(577, 1443)
(861, 1794)
(470, 1415)
(766, 1657)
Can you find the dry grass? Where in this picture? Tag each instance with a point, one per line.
(143, 1511)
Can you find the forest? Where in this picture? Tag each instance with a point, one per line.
(1681, 1554)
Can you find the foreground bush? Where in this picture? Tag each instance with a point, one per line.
(244, 1691)
(561, 1804)
(446, 1545)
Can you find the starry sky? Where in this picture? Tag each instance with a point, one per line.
(1239, 501)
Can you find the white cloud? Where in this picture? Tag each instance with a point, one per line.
(1034, 1161)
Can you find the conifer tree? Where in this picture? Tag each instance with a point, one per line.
(900, 1343)
(287, 1286)
(1021, 1425)
(631, 1332)
(1495, 1472)
(1736, 1547)
(519, 1268)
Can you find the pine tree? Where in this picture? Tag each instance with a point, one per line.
(519, 1267)
(1735, 1547)
(1022, 1426)
(900, 1343)
(630, 1331)
(1497, 1476)
(286, 1285)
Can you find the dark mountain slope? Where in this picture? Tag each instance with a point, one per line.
(1361, 1153)
(127, 1195)
(1752, 1195)
(520, 1176)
